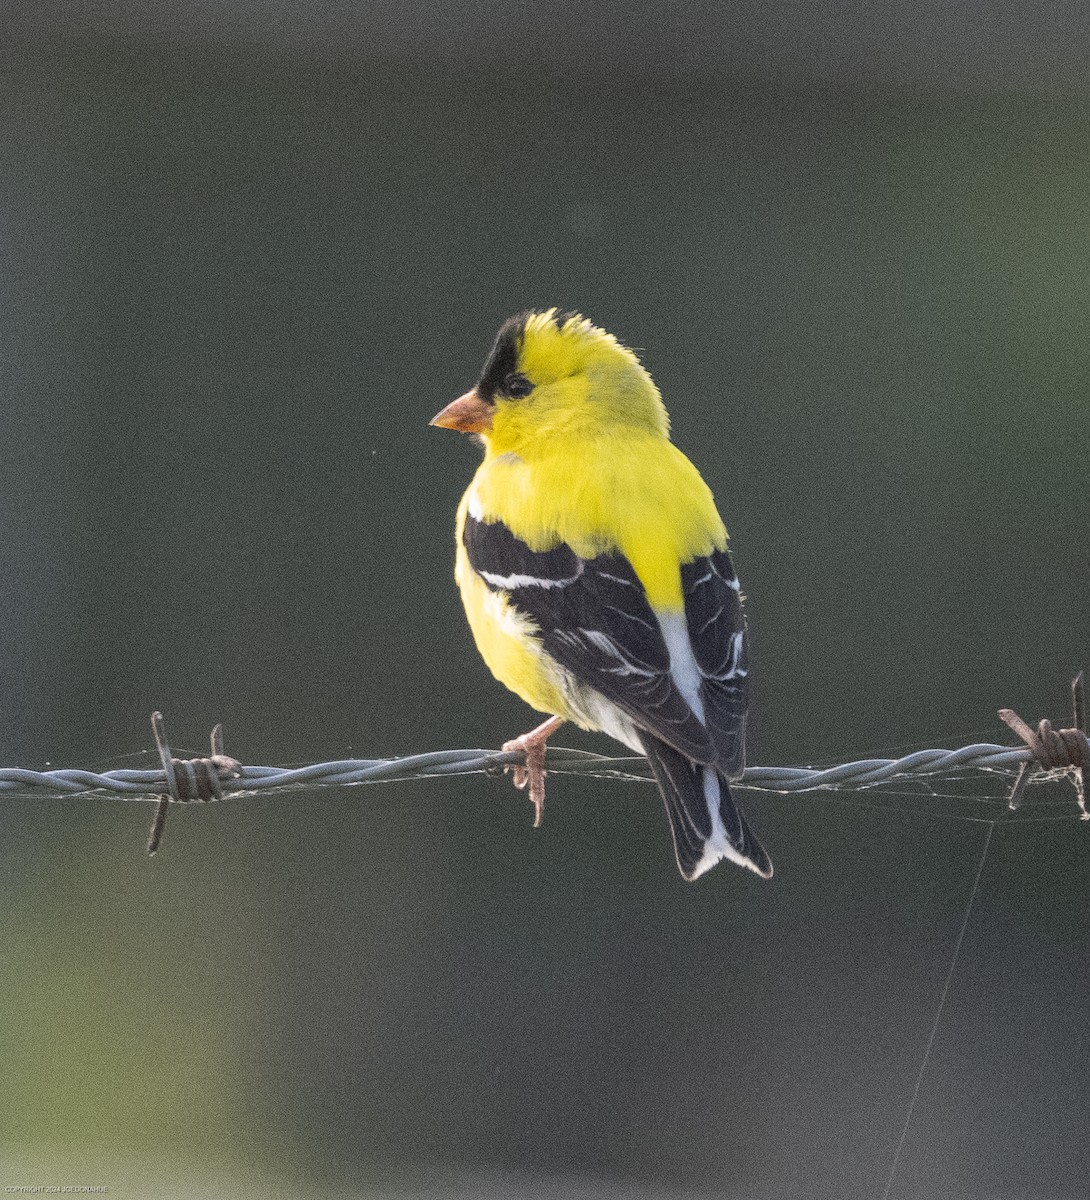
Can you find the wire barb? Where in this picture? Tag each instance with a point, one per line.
(1051, 749)
(188, 778)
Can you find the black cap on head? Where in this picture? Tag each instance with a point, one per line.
(503, 357)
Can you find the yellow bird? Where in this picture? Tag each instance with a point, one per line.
(594, 570)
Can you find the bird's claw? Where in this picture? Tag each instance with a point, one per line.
(532, 774)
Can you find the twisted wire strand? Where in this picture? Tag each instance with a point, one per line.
(151, 785)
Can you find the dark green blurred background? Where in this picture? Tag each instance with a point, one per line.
(242, 266)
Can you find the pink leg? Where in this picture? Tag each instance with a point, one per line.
(532, 744)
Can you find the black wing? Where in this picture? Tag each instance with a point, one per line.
(594, 619)
(717, 632)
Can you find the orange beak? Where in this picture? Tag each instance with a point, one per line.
(467, 414)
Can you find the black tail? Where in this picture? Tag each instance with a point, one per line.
(704, 820)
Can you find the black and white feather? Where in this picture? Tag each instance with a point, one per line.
(670, 685)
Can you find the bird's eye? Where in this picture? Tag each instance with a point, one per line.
(517, 386)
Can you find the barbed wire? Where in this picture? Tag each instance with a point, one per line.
(151, 785)
(1046, 754)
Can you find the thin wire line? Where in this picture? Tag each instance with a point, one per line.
(938, 1013)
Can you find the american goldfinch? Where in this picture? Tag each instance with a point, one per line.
(594, 570)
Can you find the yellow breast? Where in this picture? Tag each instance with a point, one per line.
(632, 492)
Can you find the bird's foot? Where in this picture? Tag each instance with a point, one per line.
(532, 772)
